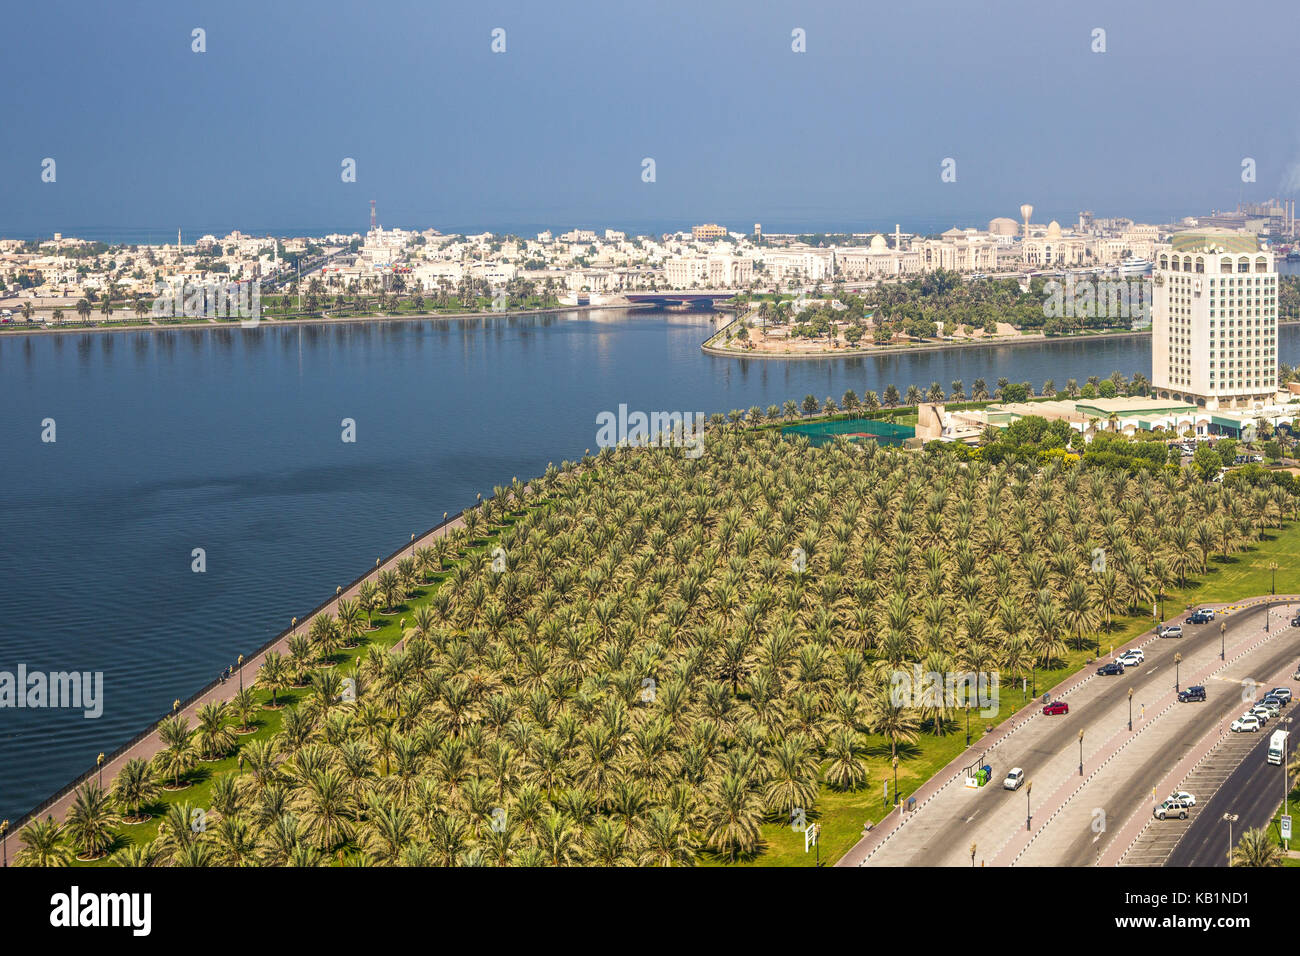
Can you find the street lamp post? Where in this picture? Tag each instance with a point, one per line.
(1272, 566)
(972, 856)
(1081, 753)
(412, 544)
(895, 781)
(968, 723)
(4, 839)
(1223, 637)
(99, 764)
(1029, 813)
(1231, 818)
(1130, 708)
(241, 673)
(1178, 661)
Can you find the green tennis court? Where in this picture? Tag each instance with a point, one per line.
(855, 429)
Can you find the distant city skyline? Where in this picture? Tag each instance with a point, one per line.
(252, 132)
(157, 235)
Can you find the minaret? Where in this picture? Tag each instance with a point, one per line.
(898, 237)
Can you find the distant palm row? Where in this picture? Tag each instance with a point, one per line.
(657, 654)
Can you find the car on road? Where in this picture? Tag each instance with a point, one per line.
(1295, 621)
(1132, 658)
(1281, 693)
(1193, 693)
(1173, 630)
(1200, 617)
(1015, 778)
(1245, 724)
(1273, 705)
(1182, 796)
(1056, 707)
(1171, 808)
(1262, 712)
(1111, 669)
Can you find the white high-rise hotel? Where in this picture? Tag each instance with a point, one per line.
(1214, 319)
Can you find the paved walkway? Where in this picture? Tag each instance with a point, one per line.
(146, 747)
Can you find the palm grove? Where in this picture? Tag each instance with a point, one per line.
(634, 669)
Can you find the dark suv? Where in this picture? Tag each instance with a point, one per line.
(1191, 694)
(1109, 670)
(1198, 617)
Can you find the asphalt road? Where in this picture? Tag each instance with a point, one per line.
(1099, 708)
(1223, 704)
(1254, 791)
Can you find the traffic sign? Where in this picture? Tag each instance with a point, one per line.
(1286, 828)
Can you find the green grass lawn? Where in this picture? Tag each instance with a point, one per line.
(842, 815)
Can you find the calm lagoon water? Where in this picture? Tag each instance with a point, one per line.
(230, 440)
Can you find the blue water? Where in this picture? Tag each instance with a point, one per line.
(229, 440)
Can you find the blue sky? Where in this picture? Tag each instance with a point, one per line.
(149, 135)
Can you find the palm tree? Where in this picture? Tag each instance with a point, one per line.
(326, 806)
(244, 705)
(90, 820)
(1256, 848)
(733, 816)
(846, 770)
(665, 840)
(273, 675)
(213, 736)
(134, 787)
(43, 844)
(177, 755)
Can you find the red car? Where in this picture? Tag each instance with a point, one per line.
(1056, 707)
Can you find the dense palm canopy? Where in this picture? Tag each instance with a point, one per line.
(679, 650)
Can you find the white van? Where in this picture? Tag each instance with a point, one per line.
(1277, 747)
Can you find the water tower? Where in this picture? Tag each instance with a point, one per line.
(1026, 211)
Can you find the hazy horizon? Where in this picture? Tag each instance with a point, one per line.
(147, 134)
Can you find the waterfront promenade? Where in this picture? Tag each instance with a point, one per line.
(148, 744)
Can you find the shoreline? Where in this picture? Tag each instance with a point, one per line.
(1036, 339)
(1033, 339)
(146, 743)
(323, 319)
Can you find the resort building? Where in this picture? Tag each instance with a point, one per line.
(1214, 320)
(714, 272)
(710, 230)
(958, 250)
(800, 264)
(1055, 248)
(1133, 416)
(876, 260)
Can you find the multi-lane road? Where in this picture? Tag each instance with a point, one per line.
(1251, 793)
(1073, 818)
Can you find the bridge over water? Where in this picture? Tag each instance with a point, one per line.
(696, 297)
